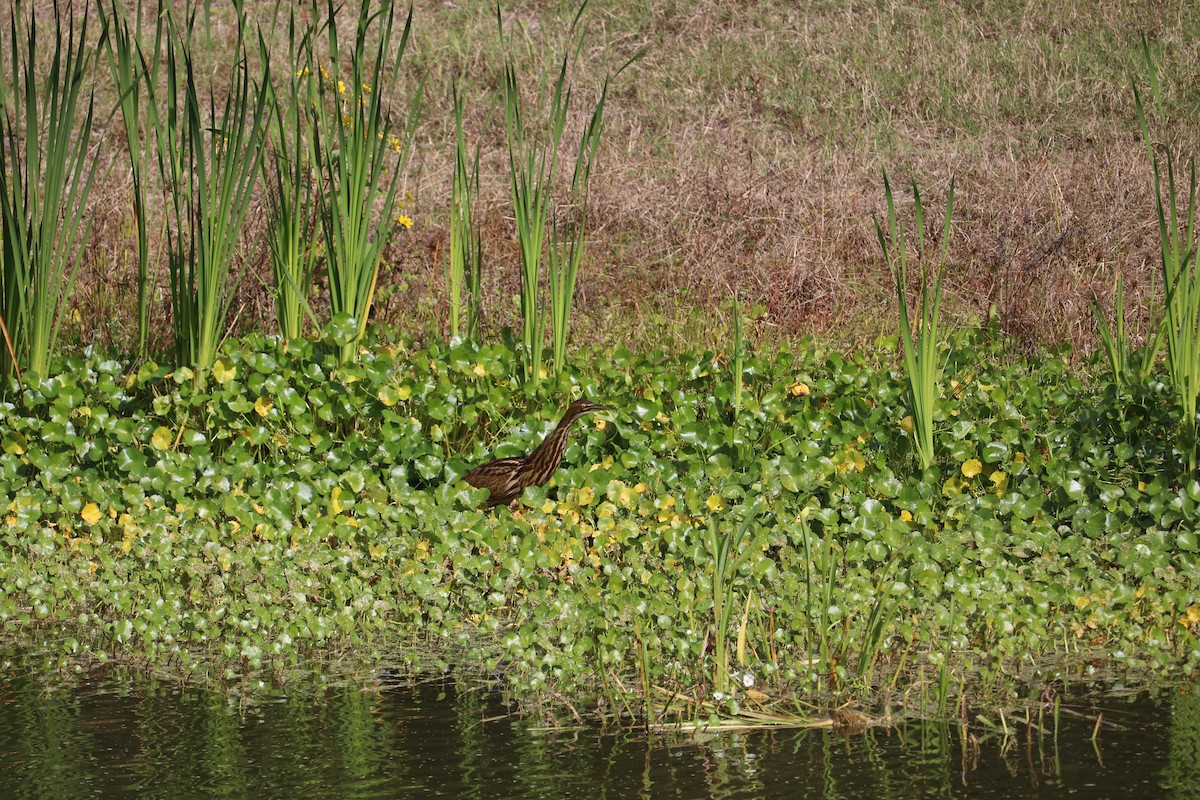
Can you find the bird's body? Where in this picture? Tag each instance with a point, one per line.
(506, 478)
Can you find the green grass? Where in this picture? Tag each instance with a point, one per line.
(46, 177)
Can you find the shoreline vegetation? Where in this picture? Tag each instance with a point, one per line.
(295, 505)
(780, 519)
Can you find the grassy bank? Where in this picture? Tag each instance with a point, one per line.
(296, 507)
(743, 153)
(753, 530)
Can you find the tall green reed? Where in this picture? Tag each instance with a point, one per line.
(362, 159)
(209, 162)
(123, 60)
(46, 176)
(292, 187)
(739, 355)
(821, 559)
(533, 166)
(567, 234)
(923, 359)
(1129, 367)
(533, 163)
(464, 270)
(1181, 276)
(727, 552)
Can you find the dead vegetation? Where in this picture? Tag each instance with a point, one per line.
(743, 154)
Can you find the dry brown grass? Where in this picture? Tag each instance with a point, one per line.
(744, 152)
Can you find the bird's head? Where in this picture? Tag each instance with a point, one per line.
(582, 406)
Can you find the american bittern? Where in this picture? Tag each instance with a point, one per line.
(506, 478)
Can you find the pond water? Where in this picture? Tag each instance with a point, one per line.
(147, 738)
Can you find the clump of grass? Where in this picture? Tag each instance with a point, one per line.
(46, 177)
(727, 552)
(533, 158)
(923, 359)
(532, 163)
(125, 59)
(362, 158)
(1127, 366)
(209, 163)
(464, 269)
(1180, 274)
(291, 193)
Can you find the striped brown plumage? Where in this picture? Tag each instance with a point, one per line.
(506, 478)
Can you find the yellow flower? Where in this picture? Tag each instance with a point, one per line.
(972, 467)
(341, 87)
(395, 143)
(366, 89)
(90, 513)
(405, 220)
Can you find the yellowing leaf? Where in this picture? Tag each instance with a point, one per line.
(972, 467)
(262, 406)
(224, 371)
(548, 506)
(799, 389)
(334, 506)
(999, 480)
(388, 395)
(906, 516)
(479, 370)
(91, 513)
(162, 438)
(907, 425)
(715, 502)
(586, 495)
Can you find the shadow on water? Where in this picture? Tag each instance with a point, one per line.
(148, 739)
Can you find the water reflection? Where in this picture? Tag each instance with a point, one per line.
(148, 739)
